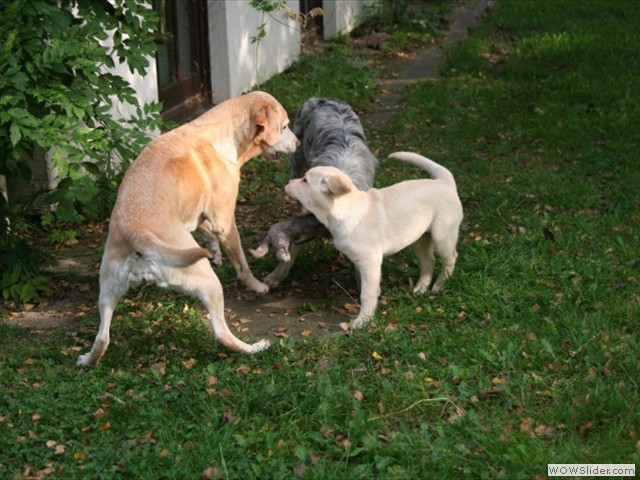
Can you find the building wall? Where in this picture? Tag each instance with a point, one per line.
(145, 86)
(237, 64)
(342, 16)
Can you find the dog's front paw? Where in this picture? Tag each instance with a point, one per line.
(259, 287)
(272, 281)
(216, 260)
(216, 254)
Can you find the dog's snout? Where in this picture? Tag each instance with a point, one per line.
(290, 187)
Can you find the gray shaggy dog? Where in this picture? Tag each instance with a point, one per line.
(331, 135)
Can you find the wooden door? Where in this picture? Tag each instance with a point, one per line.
(183, 58)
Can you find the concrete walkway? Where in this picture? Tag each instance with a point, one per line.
(426, 64)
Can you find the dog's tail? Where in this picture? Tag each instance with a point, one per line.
(156, 249)
(434, 169)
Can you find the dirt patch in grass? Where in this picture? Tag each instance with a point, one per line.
(316, 307)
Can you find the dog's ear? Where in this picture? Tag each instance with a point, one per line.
(265, 118)
(337, 184)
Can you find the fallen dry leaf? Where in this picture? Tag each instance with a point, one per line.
(525, 425)
(344, 441)
(459, 413)
(99, 413)
(58, 448)
(210, 473)
(298, 470)
(188, 364)
(352, 307)
(489, 392)
(147, 437)
(544, 431)
(228, 417)
(225, 392)
(160, 368)
(585, 427)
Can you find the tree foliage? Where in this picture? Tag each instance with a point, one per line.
(58, 91)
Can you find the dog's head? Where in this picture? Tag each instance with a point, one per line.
(272, 126)
(318, 190)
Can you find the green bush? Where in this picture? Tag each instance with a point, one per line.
(56, 96)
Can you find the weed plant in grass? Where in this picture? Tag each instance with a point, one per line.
(530, 357)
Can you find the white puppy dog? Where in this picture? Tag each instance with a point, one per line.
(367, 226)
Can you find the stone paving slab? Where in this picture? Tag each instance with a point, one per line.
(426, 63)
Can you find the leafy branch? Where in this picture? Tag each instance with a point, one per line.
(57, 94)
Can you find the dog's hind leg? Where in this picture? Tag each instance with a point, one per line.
(201, 281)
(445, 247)
(111, 290)
(423, 249)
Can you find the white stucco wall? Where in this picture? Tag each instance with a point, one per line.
(146, 88)
(342, 16)
(236, 63)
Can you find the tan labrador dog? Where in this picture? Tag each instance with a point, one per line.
(188, 179)
(367, 226)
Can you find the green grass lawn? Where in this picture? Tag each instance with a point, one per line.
(530, 357)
